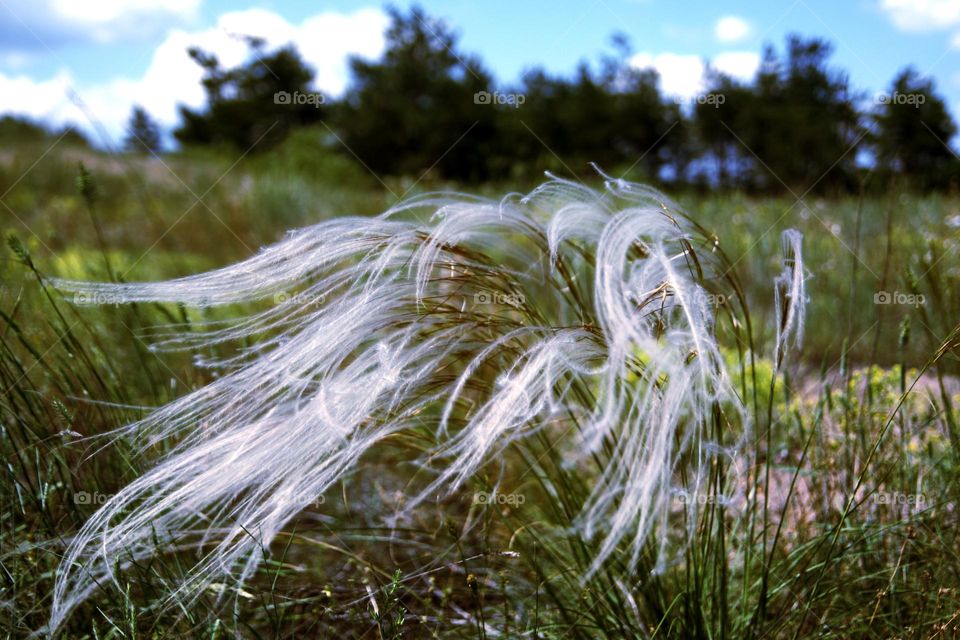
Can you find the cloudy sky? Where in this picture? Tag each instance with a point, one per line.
(85, 61)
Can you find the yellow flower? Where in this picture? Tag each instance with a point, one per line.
(914, 445)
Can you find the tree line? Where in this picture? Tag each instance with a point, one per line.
(427, 106)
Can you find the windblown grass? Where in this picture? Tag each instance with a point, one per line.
(565, 416)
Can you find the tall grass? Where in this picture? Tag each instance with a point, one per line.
(542, 441)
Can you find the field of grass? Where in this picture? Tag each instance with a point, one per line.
(847, 525)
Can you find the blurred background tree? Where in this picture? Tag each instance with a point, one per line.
(912, 130)
(795, 127)
(428, 108)
(415, 110)
(723, 154)
(255, 104)
(143, 133)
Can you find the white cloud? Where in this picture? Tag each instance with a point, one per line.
(15, 59)
(955, 41)
(731, 29)
(922, 15)
(33, 24)
(684, 76)
(680, 75)
(46, 100)
(741, 65)
(324, 40)
(107, 11)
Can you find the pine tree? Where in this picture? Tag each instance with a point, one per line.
(913, 130)
(143, 133)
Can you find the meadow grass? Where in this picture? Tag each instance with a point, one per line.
(846, 527)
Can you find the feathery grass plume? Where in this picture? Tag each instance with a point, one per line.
(790, 295)
(586, 313)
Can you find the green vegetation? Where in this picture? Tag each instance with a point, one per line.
(848, 527)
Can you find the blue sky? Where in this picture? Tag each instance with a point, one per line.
(110, 54)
